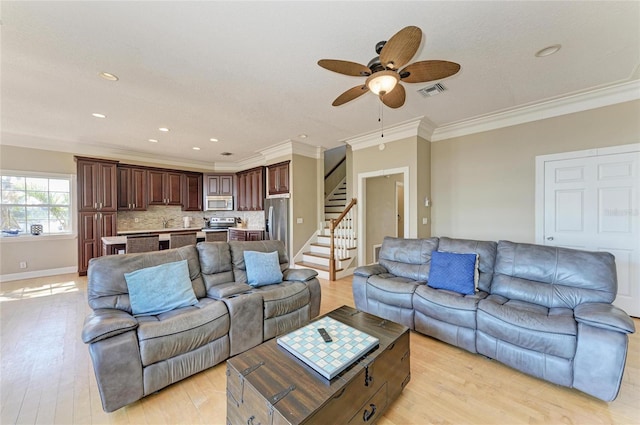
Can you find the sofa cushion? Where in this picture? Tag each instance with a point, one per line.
(486, 251)
(263, 268)
(107, 287)
(180, 331)
(215, 262)
(447, 306)
(283, 298)
(553, 276)
(393, 290)
(237, 255)
(158, 289)
(532, 326)
(452, 271)
(408, 258)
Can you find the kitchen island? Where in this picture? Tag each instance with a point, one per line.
(117, 244)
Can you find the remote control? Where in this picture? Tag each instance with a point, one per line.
(324, 335)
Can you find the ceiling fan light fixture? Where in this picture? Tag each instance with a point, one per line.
(382, 82)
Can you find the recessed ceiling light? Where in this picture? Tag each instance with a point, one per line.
(95, 114)
(548, 51)
(195, 148)
(165, 129)
(213, 139)
(108, 76)
(153, 140)
(302, 136)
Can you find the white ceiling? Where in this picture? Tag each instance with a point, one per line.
(246, 72)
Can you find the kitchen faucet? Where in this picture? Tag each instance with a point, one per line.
(165, 222)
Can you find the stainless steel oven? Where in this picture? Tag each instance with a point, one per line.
(218, 203)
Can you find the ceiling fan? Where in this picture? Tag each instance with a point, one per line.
(383, 72)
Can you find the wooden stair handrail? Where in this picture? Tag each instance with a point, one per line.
(334, 222)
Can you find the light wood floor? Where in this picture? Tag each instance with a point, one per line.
(47, 377)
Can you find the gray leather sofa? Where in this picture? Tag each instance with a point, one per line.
(543, 310)
(136, 356)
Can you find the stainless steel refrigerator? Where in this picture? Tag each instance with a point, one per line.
(276, 220)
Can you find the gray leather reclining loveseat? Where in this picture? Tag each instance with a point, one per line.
(134, 356)
(543, 310)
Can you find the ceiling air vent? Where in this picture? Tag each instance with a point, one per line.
(432, 90)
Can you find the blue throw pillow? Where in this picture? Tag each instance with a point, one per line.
(263, 268)
(158, 289)
(454, 272)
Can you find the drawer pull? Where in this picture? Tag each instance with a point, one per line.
(369, 414)
(340, 393)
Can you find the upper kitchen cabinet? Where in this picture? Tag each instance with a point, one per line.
(97, 184)
(278, 178)
(192, 192)
(132, 188)
(219, 184)
(251, 189)
(165, 187)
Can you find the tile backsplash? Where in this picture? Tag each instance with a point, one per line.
(153, 217)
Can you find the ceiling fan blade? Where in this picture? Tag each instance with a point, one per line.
(423, 71)
(344, 67)
(401, 47)
(350, 94)
(395, 98)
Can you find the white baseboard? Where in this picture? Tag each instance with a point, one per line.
(37, 273)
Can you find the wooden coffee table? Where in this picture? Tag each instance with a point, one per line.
(268, 385)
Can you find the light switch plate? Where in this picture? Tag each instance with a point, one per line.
(299, 220)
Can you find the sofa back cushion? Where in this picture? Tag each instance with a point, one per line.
(409, 258)
(486, 251)
(215, 263)
(553, 276)
(237, 255)
(107, 287)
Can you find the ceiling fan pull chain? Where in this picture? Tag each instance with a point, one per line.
(381, 119)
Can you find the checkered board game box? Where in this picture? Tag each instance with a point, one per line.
(328, 358)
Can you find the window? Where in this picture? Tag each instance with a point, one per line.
(29, 201)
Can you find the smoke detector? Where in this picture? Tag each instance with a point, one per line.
(432, 90)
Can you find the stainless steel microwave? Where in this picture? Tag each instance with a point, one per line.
(218, 203)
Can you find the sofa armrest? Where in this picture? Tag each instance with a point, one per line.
(105, 323)
(300, 275)
(605, 316)
(370, 270)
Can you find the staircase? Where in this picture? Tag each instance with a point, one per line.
(318, 256)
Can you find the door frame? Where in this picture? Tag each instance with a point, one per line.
(398, 186)
(362, 206)
(541, 161)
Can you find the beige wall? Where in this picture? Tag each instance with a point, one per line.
(483, 184)
(381, 220)
(304, 197)
(44, 254)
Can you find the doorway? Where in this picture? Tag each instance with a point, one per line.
(591, 200)
(400, 209)
(366, 207)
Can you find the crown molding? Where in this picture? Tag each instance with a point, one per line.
(391, 134)
(596, 98)
(291, 147)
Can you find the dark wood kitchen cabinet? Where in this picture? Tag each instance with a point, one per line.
(251, 189)
(219, 184)
(165, 187)
(278, 178)
(245, 235)
(132, 188)
(97, 184)
(192, 192)
(97, 205)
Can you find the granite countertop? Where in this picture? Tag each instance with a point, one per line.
(250, 228)
(160, 230)
(121, 240)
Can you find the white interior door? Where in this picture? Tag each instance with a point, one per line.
(592, 203)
